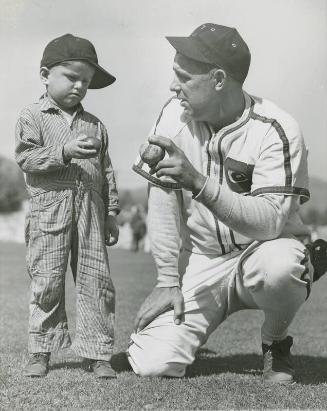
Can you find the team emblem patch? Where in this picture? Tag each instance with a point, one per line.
(238, 175)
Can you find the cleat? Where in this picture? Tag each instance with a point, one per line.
(277, 362)
(102, 369)
(318, 257)
(38, 365)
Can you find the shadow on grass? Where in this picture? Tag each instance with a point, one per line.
(207, 362)
(66, 364)
(309, 370)
(119, 362)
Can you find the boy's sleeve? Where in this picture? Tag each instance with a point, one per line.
(110, 193)
(30, 153)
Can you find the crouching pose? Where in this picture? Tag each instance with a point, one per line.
(223, 211)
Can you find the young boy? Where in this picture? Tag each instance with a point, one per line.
(73, 205)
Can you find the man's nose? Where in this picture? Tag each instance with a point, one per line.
(175, 86)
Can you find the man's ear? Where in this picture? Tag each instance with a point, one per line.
(220, 77)
(44, 74)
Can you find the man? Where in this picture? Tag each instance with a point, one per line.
(223, 212)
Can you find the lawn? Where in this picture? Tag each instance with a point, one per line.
(226, 374)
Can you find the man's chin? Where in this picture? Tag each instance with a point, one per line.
(187, 115)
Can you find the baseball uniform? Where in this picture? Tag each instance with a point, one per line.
(239, 237)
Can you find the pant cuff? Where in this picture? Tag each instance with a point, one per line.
(48, 342)
(95, 352)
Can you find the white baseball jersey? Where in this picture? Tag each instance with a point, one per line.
(262, 153)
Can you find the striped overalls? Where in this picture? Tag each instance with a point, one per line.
(68, 205)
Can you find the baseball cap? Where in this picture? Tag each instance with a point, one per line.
(69, 47)
(217, 45)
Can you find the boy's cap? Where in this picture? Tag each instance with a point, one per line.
(69, 47)
(217, 45)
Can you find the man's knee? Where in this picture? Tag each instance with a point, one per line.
(277, 264)
(147, 365)
(157, 356)
(158, 369)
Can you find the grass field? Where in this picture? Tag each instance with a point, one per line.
(226, 374)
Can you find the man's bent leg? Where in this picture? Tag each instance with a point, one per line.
(166, 349)
(276, 278)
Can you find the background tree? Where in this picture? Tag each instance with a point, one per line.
(12, 186)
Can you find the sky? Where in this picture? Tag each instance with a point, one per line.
(287, 40)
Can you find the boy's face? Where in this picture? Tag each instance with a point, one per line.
(67, 83)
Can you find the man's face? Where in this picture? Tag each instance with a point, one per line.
(194, 87)
(68, 82)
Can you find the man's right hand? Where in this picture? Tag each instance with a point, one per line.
(78, 148)
(157, 302)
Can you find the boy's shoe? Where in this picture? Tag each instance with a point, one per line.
(38, 365)
(102, 369)
(318, 257)
(277, 362)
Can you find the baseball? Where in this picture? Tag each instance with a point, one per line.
(94, 142)
(151, 153)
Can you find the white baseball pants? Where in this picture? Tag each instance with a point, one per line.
(274, 276)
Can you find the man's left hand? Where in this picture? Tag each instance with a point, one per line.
(177, 166)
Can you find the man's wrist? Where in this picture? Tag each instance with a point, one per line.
(168, 279)
(198, 184)
(160, 285)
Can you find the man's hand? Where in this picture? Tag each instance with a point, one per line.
(79, 148)
(177, 166)
(157, 302)
(111, 230)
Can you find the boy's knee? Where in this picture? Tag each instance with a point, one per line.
(47, 289)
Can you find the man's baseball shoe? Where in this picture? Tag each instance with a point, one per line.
(102, 369)
(318, 257)
(277, 362)
(38, 365)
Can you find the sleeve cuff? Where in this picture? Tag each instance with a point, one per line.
(215, 196)
(196, 196)
(166, 284)
(168, 279)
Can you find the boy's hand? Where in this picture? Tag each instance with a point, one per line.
(111, 230)
(79, 148)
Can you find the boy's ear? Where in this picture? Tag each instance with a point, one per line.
(44, 74)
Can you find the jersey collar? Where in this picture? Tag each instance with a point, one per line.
(241, 120)
(47, 104)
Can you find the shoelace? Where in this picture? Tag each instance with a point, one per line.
(99, 363)
(36, 357)
(279, 348)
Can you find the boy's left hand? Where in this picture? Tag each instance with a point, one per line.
(111, 230)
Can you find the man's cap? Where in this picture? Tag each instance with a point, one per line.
(69, 47)
(217, 45)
